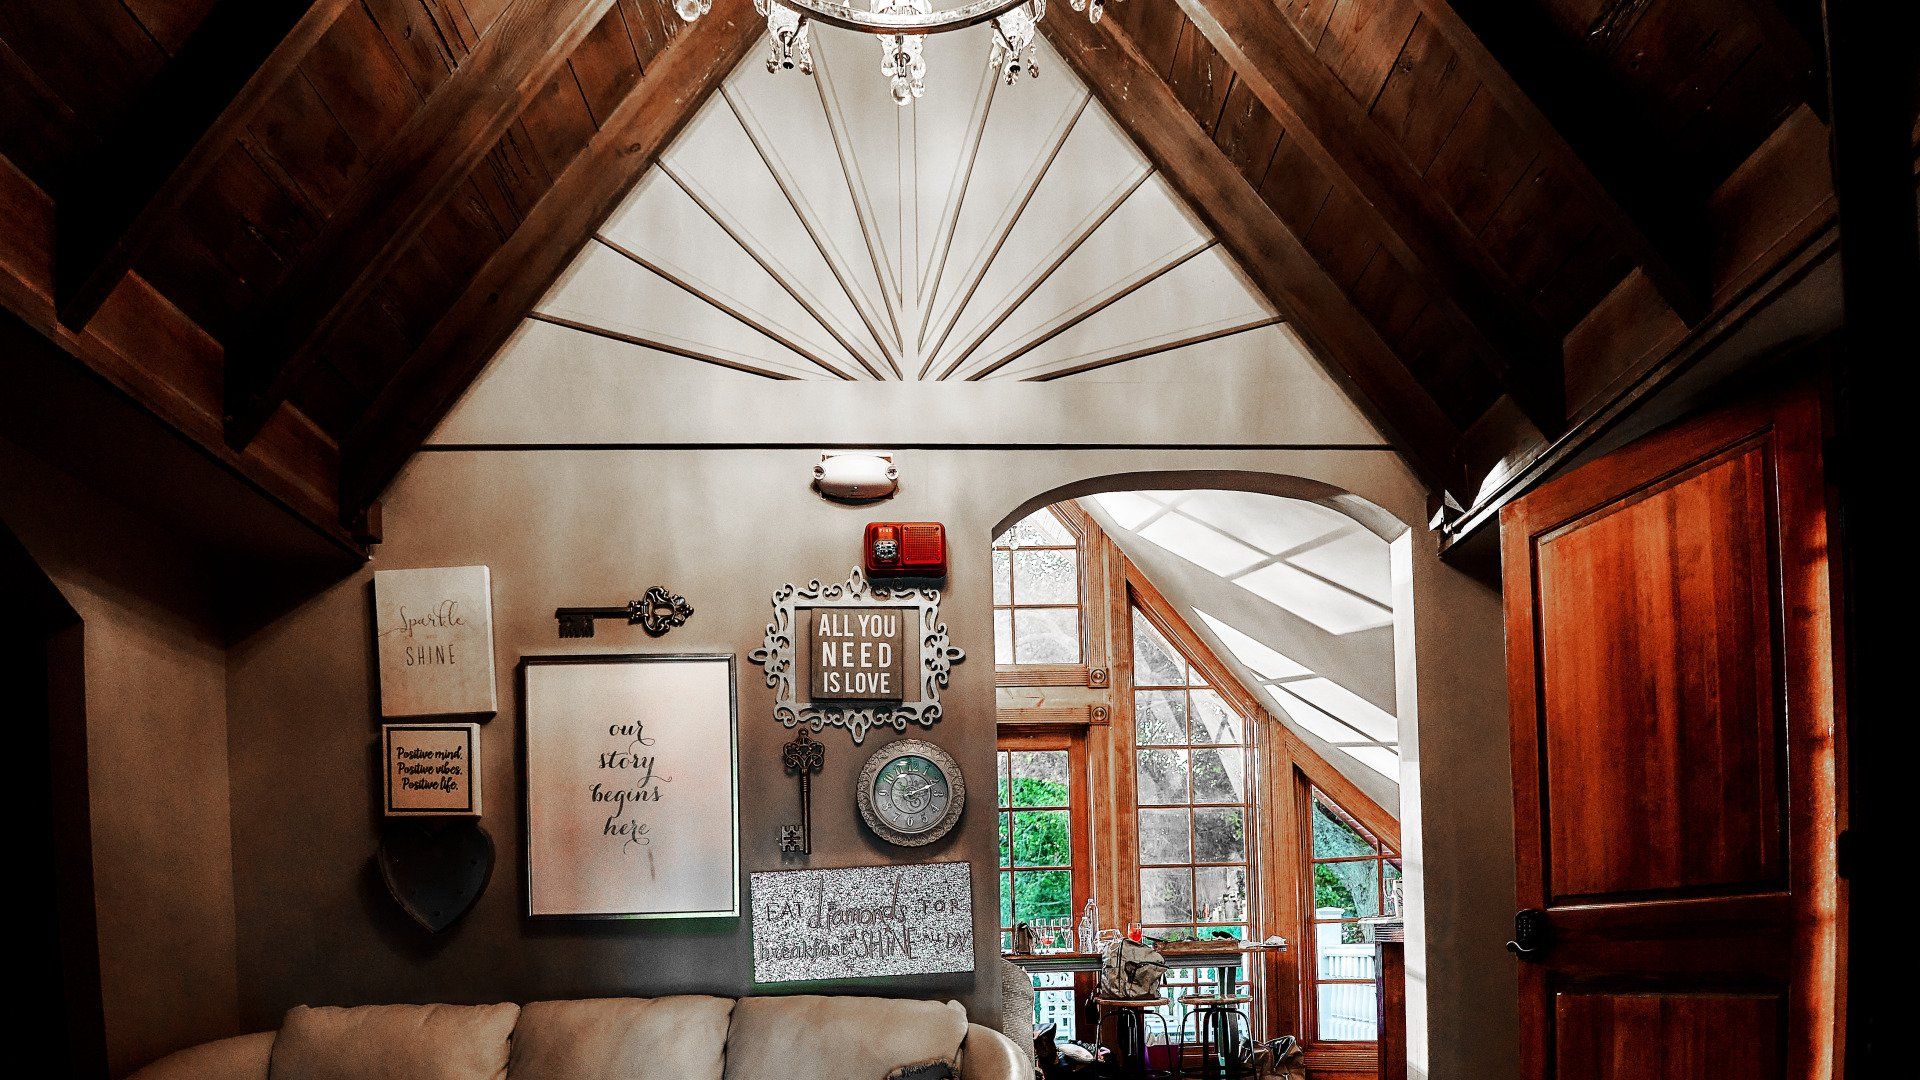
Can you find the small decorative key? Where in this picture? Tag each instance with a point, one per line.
(806, 756)
(657, 612)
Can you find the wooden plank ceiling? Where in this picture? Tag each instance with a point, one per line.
(1489, 219)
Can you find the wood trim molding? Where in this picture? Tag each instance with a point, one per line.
(229, 69)
(1050, 716)
(147, 350)
(1093, 671)
(1315, 770)
(1355, 1057)
(1161, 612)
(1042, 675)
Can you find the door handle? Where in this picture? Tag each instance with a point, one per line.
(1530, 934)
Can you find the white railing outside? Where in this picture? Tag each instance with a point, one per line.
(1347, 1010)
(1055, 1007)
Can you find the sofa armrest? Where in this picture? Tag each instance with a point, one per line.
(243, 1057)
(988, 1055)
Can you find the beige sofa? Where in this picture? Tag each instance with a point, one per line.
(669, 1038)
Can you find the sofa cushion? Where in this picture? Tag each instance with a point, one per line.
(394, 1042)
(808, 1037)
(669, 1038)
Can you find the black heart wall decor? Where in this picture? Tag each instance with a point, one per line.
(436, 870)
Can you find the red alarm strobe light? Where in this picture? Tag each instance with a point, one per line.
(915, 549)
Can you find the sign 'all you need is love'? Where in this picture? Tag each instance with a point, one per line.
(858, 653)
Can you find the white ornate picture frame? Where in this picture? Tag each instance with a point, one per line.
(786, 669)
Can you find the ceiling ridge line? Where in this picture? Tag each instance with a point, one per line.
(781, 274)
(804, 211)
(936, 268)
(1224, 328)
(1084, 231)
(741, 313)
(1175, 257)
(1004, 228)
(856, 182)
(667, 343)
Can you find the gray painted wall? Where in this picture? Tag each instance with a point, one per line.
(155, 681)
(586, 526)
(1456, 821)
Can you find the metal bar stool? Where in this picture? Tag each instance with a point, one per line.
(1223, 1030)
(1130, 1020)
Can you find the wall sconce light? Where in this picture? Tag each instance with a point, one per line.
(856, 477)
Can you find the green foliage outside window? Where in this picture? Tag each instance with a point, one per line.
(1041, 839)
(1334, 885)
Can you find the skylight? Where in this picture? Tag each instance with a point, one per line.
(1127, 508)
(1320, 574)
(1204, 547)
(1253, 519)
(1313, 598)
(1312, 561)
(1351, 709)
(1324, 708)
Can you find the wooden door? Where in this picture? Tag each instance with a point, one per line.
(1671, 651)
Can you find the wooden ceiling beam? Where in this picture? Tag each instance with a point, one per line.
(655, 108)
(1269, 253)
(149, 353)
(1798, 42)
(430, 159)
(115, 201)
(1636, 190)
(1419, 227)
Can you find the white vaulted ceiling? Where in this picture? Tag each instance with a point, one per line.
(811, 229)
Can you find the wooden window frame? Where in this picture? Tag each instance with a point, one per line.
(1248, 807)
(1310, 980)
(1092, 670)
(1140, 595)
(1072, 738)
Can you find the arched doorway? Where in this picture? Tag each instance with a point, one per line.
(1455, 846)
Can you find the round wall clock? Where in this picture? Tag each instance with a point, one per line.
(911, 792)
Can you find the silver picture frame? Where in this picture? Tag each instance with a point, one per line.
(778, 657)
(722, 853)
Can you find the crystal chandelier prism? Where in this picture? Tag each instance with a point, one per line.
(901, 26)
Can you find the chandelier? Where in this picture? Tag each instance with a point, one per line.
(900, 25)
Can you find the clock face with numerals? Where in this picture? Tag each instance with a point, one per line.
(911, 792)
